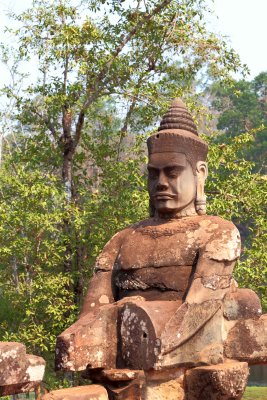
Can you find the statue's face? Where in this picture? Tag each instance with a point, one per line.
(171, 182)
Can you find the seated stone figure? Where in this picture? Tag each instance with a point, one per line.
(163, 299)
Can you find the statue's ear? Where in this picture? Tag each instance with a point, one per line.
(202, 170)
(202, 173)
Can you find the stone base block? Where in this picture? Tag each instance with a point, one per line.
(166, 384)
(130, 391)
(92, 340)
(12, 363)
(113, 375)
(123, 384)
(90, 392)
(247, 341)
(242, 304)
(19, 372)
(27, 387)
(218, 382)
(170, 390)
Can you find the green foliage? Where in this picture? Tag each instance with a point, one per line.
(240, 189)
(115, 48)
(38, 311)
(37, 304)
(243, 107)
(239, 194)
(37, 295)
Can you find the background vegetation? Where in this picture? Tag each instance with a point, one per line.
(73, 145)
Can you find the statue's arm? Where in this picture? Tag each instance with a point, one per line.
(100, 290)
(213, 274)
(212, 280)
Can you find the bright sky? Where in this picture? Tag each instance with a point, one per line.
(243, 21)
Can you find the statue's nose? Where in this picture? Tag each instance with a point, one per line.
(162, 183)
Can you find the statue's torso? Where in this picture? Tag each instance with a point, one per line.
(156, 259)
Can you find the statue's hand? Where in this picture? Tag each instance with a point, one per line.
(186, 322)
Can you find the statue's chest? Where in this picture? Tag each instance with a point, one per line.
(157, 248)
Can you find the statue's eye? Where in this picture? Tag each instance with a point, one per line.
(173, 172)
(153, 173)
(173, 175)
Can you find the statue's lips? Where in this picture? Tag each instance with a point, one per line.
(163, 196)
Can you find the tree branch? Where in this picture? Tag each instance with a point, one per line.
(79, 127)
(46, 120)
(93, 94)
(125, 125)
(121, 46)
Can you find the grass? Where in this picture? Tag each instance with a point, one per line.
(255, 393)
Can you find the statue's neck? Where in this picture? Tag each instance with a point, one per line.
(185, 212)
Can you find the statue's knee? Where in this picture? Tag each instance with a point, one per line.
(242, 304)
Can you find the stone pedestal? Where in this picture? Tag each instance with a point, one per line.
(217, 382)
(121, 384)
(125, 384)
(90, 392)
(164, 385)
(225, 381)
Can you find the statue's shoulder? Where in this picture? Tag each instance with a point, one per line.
(215, 223)
(105, 261)
(107, 257)
(143, 223)
(117, 239)
(221, 238)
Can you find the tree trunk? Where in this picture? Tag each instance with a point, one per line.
(73, 259)
(67, 181)
(73, 253)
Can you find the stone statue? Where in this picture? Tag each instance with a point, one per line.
(163, 309)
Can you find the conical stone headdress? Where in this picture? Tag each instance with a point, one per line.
(178, 133)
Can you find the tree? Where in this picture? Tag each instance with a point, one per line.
(238, 182)
(238, 193)
(98, 51)
(241, 108)
(36, 293)
(31, 248)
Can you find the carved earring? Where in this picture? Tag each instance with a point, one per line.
(200, 202)
(200, 205)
